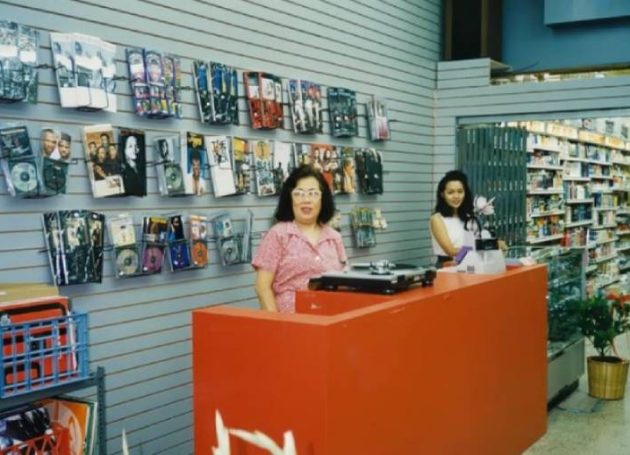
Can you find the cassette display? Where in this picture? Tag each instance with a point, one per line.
(178, 248)
(154, 231)
(74, 240)
(233, 244)
(85, 70)
(264, 99)
(221, 171)
(378, 124)
(195, 165)
(199, 240)
(103, 161)
(361, 221)
(306, 106)
(133, 162)
(283, 162)
(18, 62)
(263, 164)
(369, 163)
(242, 165)
(122, 234)
(217, 92)
(342, 108)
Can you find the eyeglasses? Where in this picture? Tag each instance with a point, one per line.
(309, 194)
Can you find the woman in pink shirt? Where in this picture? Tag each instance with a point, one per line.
(300, 245)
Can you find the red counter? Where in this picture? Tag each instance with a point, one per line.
(459, 368)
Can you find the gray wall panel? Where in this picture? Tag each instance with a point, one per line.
(140, 328)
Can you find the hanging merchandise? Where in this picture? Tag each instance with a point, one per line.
(199, 240)
(325, 159)
(234, 240)
(18, 63)
(195, 165)
(221, 171)
(378, 123)
(55, 160)
(369, 163)
(169, 169)
(155, 80)
(264, 98)
(19, 164)
(342, 108)
(103, 161)
(122, 234)
(306, 106)
(217, 92)
(348, 171)
(178, 248)
(283, 162)
(133, 167)
(242, 165)
(301, 153)
(74, 241)
(362, 223)
(85, 67)
(263, 165)
(154, 230)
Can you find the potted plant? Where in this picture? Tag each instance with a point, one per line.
(601, 320)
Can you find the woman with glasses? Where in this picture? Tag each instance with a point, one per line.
(300, 245)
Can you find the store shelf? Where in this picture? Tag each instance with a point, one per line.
(591, 269)
(571, 178)
(605, 208)
(543, 192)
(575, 159)
(604, 242)
(603, 259)
(600, 163)
(623, 248)
(543, 148)
(622, 232)
(549, 238)
(606, 283)
(549, 167)
(619, 189)
(578, 201)
(578, 224)
(605, 226)
(544, 214)
(600, 177)
(624, 269)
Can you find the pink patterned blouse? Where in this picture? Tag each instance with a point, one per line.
(287, 253)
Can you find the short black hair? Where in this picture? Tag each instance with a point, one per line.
(284, 210)
(466, 210)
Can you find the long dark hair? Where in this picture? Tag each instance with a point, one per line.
(466, 209)
(284, 210)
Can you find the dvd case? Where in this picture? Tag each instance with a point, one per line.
(263, 165)
(195, 165)
(342, 108)
(306, 107)
(378, 124)
(103, 161)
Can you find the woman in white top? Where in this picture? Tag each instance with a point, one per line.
(453, 208)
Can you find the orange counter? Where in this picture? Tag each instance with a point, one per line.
(459, 368)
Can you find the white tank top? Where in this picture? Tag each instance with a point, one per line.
(455, 230)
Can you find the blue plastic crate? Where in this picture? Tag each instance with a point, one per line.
(44, 353)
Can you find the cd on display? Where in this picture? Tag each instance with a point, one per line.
(54, 178)
(200, 254)
(127, 262)
(24, 177)
(152, 261)
(173, 176)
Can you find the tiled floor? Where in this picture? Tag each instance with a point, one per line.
(606, 431)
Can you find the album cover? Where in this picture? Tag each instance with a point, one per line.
(264, 99)
(175, 229)
(172, 84)
(28, 43)
(263, 163)
(127, 261)
(20, 426)
(133, 166)
(62, 45)
(342, 108)
(195, 165)
(96, 227)
(369, 163)
(108, 69)
(15, 142)
(103, 161)
(55, 144)
(53, 236)
(167, 148)
(349, 177)
(200, 77)
(137, 79)
(21, 176)
(177, 244)
(377, 120)
(306, 106)
(199, 240)
(54, 176)
(325, 158)
(242, 165)
(88, 66)
(121, 230)
(169, 171)
(301, 153)
(283, 162)
(223, 92)
(77, 246)
(227, 240)
(155, 79)
(79, 416)
(154, 233)
(11, 82)
(220, 165)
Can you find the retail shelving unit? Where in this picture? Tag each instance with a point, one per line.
(95, 379)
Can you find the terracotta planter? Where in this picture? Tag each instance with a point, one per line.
(607, 378)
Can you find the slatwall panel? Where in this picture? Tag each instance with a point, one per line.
(465, 96)
(140, 327)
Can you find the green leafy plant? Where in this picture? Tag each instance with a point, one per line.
(601, 321)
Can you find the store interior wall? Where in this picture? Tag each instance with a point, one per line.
(530, 45)
(140, 327)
